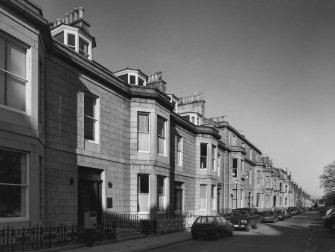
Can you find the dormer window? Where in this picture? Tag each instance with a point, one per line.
(71, 41)
(193, 118)
(72, 31)
(83, 47)
(132, 77)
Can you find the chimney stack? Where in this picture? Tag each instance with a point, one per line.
(81, 12)
(75, 14)
(66, 18)
(70, 17)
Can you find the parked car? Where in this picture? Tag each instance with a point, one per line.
(281, 214)
(330, 221)
(211, 226)
(269, 216)
(244, 218)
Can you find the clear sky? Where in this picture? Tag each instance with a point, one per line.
(268, 65)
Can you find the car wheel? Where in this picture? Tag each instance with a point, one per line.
(231, 232)
(217, 235)
(255, 226)
(194, 235)
(247, 228)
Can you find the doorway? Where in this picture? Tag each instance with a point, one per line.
(89, 193)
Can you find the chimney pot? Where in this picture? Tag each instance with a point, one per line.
(75, 14)
(66, 18)
(70, 17)
(59, 21)
(81, 12)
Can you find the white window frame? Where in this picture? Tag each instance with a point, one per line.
(76, 41)
(136, 81)
(213, 158)
(24, 186)
(206, 163)
(233, 168)
(140, 132)
(205, 186)
(160, 152)
(163, 195)
(213, 197)
(179, 150)
(27, 81)
(96, 118)
(218, 163)
(140, 193)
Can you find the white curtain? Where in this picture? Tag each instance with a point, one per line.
(143, 136)
(16, 87)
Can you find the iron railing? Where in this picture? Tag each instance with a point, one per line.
(36, 238)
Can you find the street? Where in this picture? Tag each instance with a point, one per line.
(303, 233)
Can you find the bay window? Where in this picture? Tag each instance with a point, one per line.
(13, 184)
(13, 74)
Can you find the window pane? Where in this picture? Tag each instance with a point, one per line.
(143, 123)
(83, 46)
(234, 162)
(140, 81)
(12, 203)
(16, 60)
(89, 105)
(124, 77)
(60, 37)
(143, 141)
(12, 184)
(16, 93)
(12, 167)
(132, 79)
(161, 145)
(143, 136)
(160, 126)
(143, 183)
(203, 149)
(160, 185)
(71, 40)
(89, 126)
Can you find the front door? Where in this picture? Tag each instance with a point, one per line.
(89, 194)
(178, 199)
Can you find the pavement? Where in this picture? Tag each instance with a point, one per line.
(140, 244)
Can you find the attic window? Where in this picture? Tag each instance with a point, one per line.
(83, 47)
(140, 82)
(132, 79)
(71, 41)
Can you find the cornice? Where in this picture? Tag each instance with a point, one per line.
(249, 161)
(151, 93)
(238, 149)
(208, 130)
